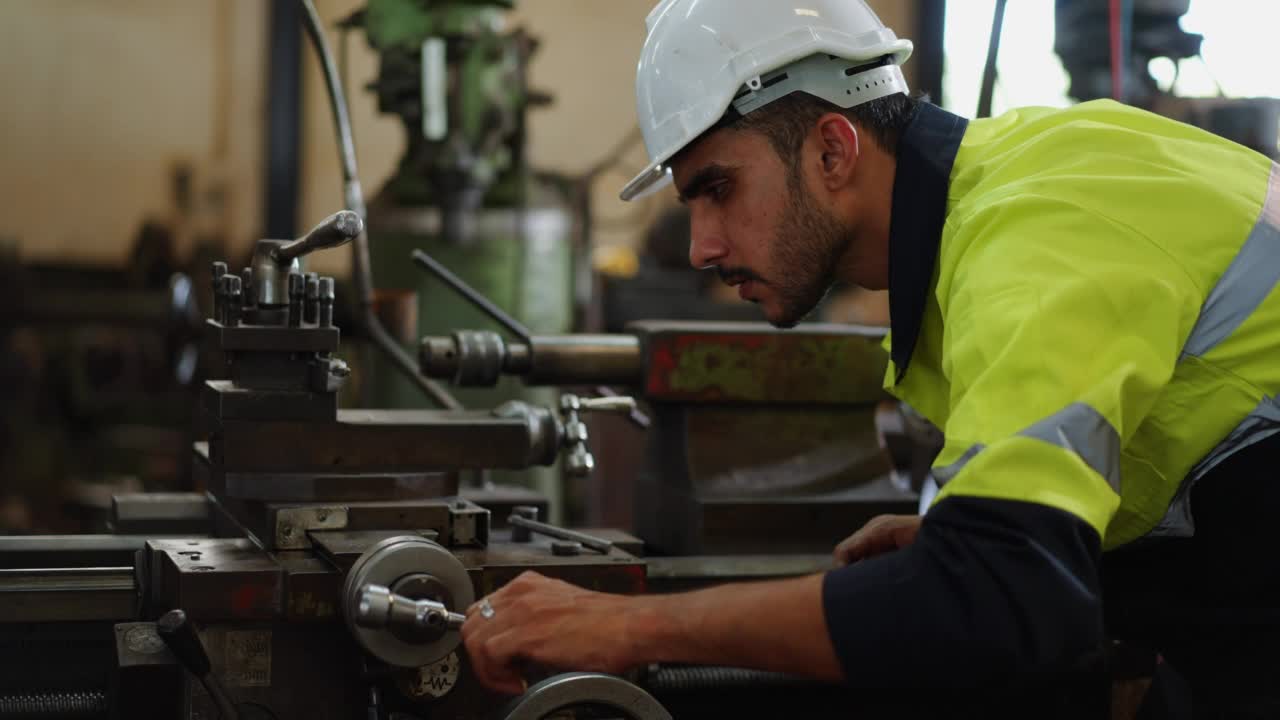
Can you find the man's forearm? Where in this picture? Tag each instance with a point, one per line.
(777, 625)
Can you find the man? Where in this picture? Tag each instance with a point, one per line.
(1083, 299)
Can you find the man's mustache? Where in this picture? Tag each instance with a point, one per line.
(737, 276)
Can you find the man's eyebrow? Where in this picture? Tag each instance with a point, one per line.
(698, 184)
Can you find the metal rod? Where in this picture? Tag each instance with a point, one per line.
(354, 196)
(600, 545)
(993, 53)
(66, 578)
(428, 263)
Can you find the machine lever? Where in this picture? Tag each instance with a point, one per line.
(381, 608)
(178, 633)
(600, 545)
(334, 231)
(468, 293)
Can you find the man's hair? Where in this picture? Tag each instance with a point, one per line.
(786, 122)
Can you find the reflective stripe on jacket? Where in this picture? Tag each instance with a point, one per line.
(1102, 323)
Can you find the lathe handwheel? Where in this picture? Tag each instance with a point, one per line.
(562, 692)
(405, 563)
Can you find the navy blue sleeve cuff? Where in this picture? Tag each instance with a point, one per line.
(990, 589)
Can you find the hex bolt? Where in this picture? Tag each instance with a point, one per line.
(326, 302)
(246, 283)
(297, 292)
(231, 300)
(522, 534)
(219, 299)
(312, 313)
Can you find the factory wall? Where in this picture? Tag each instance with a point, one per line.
(105, 100)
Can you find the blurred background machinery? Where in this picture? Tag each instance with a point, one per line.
(1107, 47)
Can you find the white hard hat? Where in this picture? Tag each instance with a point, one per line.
(700, 56)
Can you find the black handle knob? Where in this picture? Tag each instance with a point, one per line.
(180, 635)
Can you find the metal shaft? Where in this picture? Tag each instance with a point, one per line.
(600, 545)
(381, 608)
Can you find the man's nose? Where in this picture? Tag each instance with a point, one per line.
(707, 246)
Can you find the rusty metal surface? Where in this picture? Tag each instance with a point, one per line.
(216, 579)
(311, 587)
(742, 452)
(383, 441)
(733, 479)
(749, 363)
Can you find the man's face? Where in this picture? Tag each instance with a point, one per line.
(756, 223)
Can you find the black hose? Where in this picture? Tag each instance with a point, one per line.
(91, 704)
(354, 197)
(710, 677)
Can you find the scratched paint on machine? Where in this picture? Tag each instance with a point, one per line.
(247, 658)
(765, 367)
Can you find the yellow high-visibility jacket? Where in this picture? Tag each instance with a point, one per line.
(1101, 323)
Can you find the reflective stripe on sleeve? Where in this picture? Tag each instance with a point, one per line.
(1248, 281)
(1077, 428)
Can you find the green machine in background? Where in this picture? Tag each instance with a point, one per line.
(463, 191)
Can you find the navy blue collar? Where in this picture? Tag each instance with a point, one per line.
(926, 153)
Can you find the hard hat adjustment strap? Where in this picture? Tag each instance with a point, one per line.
(841, 82)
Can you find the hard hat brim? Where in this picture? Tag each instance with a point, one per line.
(652, 179)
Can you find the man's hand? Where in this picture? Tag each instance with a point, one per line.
(884, 533)
(544, 622)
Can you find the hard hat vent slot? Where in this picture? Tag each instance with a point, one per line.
(774, 80)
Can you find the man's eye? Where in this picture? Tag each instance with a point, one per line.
(718, 191)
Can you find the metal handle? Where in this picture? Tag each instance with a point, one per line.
(180, 635)
(621, 404)
(381, 608)
(334, 231)
(600, 545)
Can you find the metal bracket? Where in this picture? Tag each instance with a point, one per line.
(293, 524)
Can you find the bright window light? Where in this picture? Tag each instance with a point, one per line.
(1029, 73)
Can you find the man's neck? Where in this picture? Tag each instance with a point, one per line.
(866, 262)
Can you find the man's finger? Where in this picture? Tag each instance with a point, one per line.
(505, 658)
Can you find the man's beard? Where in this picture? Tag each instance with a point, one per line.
(808, 244)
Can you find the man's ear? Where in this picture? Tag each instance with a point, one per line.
(839, 144)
